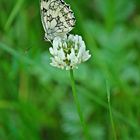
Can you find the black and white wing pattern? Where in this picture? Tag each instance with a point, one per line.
(57, 18)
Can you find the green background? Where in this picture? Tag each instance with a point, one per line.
(36, 100)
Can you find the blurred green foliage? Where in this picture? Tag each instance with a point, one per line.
(35, 99)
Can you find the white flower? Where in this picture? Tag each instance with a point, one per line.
(68, 52)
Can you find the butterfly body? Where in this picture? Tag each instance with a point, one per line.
(57, 18)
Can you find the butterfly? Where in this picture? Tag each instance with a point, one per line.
(57, 18)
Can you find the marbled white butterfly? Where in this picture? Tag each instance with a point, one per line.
(57, 18)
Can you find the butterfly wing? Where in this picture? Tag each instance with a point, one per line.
(57, 18)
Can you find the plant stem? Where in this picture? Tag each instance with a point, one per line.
(110, 110)
(78, 106)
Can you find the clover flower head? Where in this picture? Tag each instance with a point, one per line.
(68, 52)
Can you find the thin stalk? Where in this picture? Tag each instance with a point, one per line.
(110, 111)
(13, 14)
(85, 130)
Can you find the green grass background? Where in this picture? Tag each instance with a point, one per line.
(36, 102)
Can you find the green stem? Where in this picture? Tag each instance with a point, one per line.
(13, 14)
(78, 106)
(110, 110)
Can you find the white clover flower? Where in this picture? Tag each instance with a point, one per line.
(68, 52)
